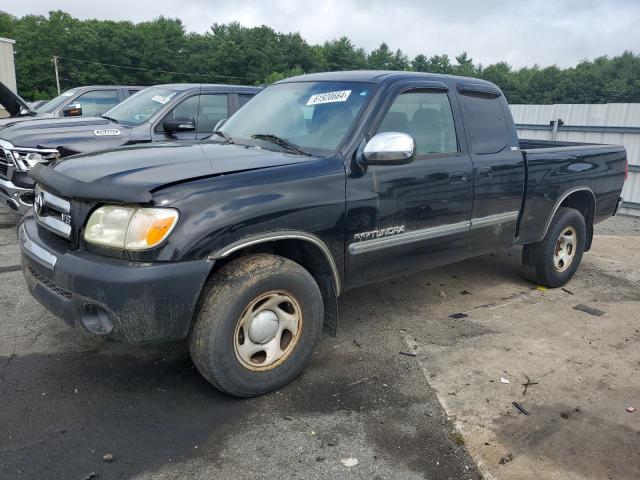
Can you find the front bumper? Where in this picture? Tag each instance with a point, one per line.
(137, 302)
(17, 198)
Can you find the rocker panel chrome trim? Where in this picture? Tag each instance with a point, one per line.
(430, 233)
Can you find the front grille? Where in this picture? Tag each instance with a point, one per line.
(52, 212)
(5, 162)
(50, 285)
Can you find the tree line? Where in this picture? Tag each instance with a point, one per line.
(88, 51)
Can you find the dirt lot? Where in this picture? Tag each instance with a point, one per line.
(67, 400)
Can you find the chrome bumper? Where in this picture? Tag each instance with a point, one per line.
(14, 197)
(35, 251)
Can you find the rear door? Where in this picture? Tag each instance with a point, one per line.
(403, 218)
(498, 167)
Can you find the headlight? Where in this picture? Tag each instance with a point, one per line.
(130, 228)
(27, 158)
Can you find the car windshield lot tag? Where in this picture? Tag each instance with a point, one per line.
(161, 99)
(329, 97)
(109, 132)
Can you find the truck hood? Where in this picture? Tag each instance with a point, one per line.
(132, 173)
(68, 135)
(5, 122)
(13, 103)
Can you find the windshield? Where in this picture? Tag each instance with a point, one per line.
(138, 108)
(314, 116)
(52, 105)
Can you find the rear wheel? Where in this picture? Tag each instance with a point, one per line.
(554, 260)
(259, 319)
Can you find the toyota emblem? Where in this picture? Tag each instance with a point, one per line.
(38, 203)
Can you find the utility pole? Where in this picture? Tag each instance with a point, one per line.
(55, 65)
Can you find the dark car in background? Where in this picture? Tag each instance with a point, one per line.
(160, 113)
(87, 101)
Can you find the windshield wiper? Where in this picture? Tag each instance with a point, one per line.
(110, 118)
(281, 142)
(227, 138)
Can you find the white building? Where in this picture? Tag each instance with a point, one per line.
(7, 66)
(617, 123)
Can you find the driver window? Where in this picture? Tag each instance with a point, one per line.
(97, 102)
(211, 110)
(186, 109)
(425, 115)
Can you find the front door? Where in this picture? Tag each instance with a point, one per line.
(409, 217)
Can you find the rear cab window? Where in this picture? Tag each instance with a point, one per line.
(486, 122)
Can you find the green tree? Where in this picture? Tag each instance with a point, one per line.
(162, 51)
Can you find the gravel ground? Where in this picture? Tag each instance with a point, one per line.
(619, 225)
(67, 400)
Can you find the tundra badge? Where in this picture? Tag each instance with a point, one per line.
(382, 232)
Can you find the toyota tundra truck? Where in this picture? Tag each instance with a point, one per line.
(178, 112)
(243, 243)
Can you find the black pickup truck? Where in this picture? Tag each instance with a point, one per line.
(321, 183)
(163, 112)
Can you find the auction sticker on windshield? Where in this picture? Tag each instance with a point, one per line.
(329, 97)
(161, 99)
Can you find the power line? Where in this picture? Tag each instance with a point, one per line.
(157, 71)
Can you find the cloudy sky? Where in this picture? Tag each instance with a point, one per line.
(521, 32)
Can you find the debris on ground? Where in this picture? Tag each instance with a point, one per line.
(520, 407)
(541, 288)
(90, 475)
(349, 462)
(590, 310)
(566, 290)
(504, 380)
(528, 384)
(458, 316)
(506, 459)
(108, 457)
(458, 438)
(443, 295)
(465, 292)
(564, 415)
(631, 409)
(357, 344)
(408, 354)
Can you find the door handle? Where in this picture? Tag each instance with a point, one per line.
(485, 172)
(458, 177)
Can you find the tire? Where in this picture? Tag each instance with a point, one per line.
(240, 308)
(552, 262)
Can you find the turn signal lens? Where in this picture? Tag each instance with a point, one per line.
(130, 228)
(149, 227)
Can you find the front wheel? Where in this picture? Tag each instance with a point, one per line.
(259, 319)
(553, 260)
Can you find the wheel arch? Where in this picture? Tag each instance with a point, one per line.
(303, 248)
(582, 199)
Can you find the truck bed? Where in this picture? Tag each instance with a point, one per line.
(555, 168)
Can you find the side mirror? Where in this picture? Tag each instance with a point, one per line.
(73, 110)
(390, 148)
(219, 125)
(180, 124)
